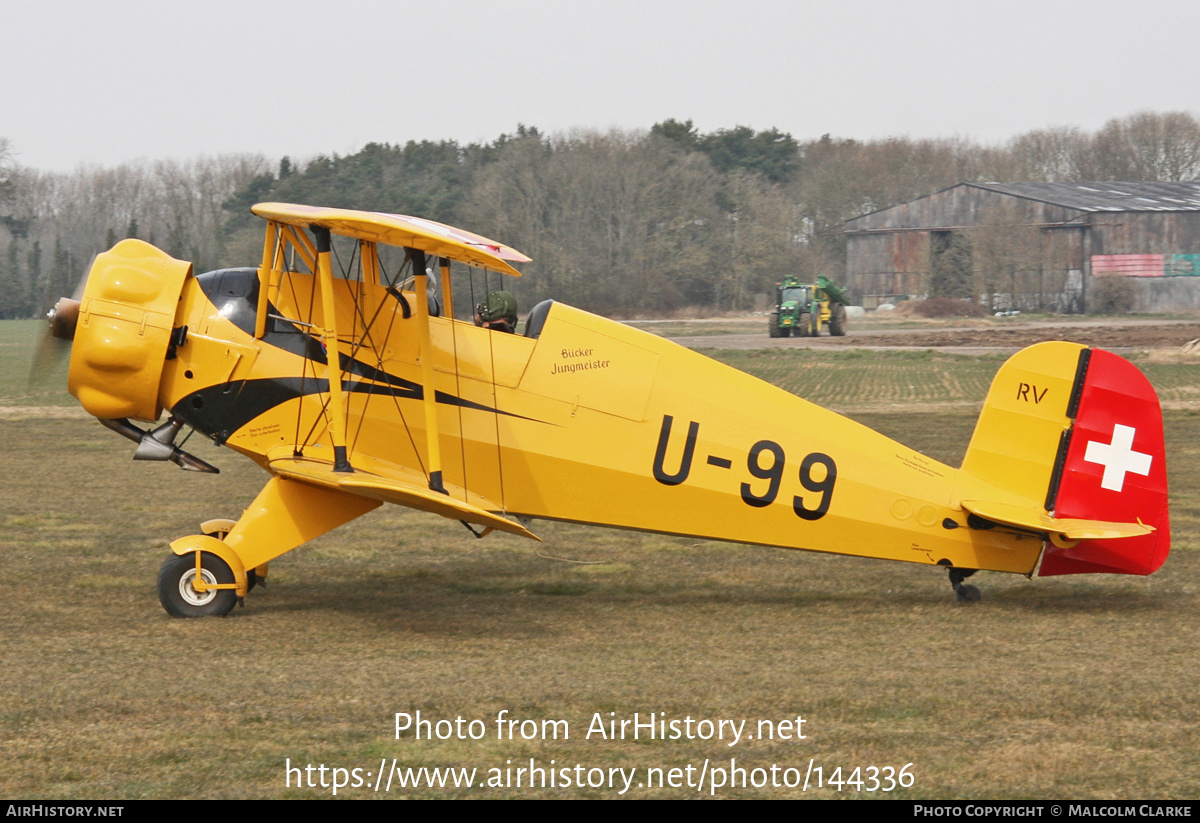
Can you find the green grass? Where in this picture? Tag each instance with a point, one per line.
(860, 378)
(1077, 687)
(1175, 381)
(702, 328)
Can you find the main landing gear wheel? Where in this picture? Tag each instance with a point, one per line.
(966, 593)
(179, 596)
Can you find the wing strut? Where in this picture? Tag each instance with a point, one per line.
(447, 292)
(428, 394)
(268, 277)
(333, 359)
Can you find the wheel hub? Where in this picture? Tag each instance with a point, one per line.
(189, 593)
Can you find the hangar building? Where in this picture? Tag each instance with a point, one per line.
(1032, 245)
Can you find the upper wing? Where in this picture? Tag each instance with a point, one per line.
(400, 230)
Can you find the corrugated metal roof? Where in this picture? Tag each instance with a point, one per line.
(1102, 196)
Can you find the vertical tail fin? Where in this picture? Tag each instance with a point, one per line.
(1077, 433)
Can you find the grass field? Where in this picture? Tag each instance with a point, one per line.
(1077, 687)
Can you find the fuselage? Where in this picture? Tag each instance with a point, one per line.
(589, 421)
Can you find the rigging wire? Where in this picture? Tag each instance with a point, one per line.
(291, 271)
(377, 350)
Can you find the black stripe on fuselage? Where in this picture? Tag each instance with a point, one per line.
(219, 411)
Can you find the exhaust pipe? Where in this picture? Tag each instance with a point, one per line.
(159, 444)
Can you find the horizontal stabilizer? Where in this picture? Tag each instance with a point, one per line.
(1037, 520)
(392, 490)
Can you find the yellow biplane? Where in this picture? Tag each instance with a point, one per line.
(339, 367)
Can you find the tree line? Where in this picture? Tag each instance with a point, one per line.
(616, 222)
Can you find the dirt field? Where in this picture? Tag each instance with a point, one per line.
(973, 336)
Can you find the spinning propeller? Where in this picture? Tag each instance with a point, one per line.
(54, 343)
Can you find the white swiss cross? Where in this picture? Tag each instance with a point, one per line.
(1117, 458)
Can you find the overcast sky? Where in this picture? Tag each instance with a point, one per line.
(107, 82)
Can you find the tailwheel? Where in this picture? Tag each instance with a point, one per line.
(965, 593)
(178, 593)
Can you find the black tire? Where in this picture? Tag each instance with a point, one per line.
(181, 600)
(837, 320)
(773, 328)
(804, 325)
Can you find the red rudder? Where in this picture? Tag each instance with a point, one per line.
(1113, 468)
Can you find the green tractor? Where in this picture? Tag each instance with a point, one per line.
(803, 309)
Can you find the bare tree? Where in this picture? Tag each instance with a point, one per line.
(6, 165)
(1147, 146)
(612, 220)
(764, 244)
(80, 213)
(1048, 154)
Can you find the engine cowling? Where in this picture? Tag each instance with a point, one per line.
(124, 330)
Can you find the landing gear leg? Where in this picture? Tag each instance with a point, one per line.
(220, 530)
(285, 514)
(966, 594)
